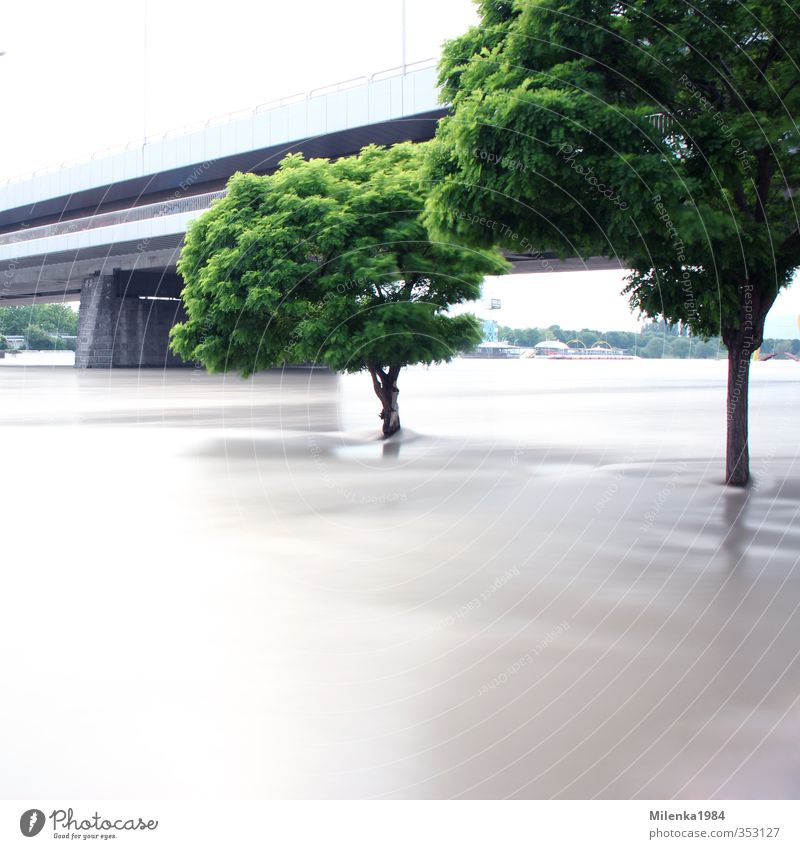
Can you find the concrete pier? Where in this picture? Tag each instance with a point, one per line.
(125, 320)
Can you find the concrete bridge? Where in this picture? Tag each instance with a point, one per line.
(107, 230)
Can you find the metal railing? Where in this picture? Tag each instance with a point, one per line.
(176, 206)
(229, 117)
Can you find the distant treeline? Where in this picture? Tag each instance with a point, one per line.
(42, 325)
(656, 341)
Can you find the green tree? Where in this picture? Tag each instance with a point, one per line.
(3, 343)
(52, 318)
(680, 348)
(589, 337)
(620, 339)
(653, 348)
(705, 349)
(38, 339)
(659, 132)
(328, 262)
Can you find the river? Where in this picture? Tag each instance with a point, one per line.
(218, 588)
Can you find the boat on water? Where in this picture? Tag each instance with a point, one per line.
(493, 350)
(554, 350)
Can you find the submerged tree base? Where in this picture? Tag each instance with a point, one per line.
(391, 427)
(384, 382)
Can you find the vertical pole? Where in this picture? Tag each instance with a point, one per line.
(144, 79)
(403, 33)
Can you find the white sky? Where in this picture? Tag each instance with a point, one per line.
(84, 75)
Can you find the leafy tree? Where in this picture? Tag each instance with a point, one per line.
(52, 318)
(3, 343)
(589, 337)
(659, 132)
(620, 339)
(705, 349)
(527, 337)
(38, 339)
(328, 262)
(680, 347)
(654, 349)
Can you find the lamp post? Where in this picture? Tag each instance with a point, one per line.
(403, 33)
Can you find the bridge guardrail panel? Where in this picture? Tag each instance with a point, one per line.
(316, 117)
(169, 154)
(385, 96)
(420, 92)
(398, 107)
(358, 107)
(261, 130)
(195, 148)
(279, 126)
(298, 119)
(337, 111)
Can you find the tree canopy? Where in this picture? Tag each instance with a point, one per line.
(50, 318)
(658, 132)
(328, 262)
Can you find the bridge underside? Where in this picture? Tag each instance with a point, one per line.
(129, 297)
(107, 232)
(125, 319)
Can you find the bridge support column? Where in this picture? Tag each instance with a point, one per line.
(118, 329)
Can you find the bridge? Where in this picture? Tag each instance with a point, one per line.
(107, 230)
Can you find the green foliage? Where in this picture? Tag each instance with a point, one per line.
(653, 131)
(3, 343)
(326, 262)
(51, 318)
(656, 341)
(38, 339)
(780, 346)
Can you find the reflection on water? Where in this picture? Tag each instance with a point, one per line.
(216, 587)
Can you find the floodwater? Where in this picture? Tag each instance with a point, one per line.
(217, 588)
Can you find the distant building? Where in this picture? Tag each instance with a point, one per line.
(549, 347)
(15, 342)
(495, 351)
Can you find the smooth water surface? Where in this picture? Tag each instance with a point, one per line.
(224, 588)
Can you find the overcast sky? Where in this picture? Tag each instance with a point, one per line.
(85, 75)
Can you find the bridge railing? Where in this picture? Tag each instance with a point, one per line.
(278, 104)
(145, 212)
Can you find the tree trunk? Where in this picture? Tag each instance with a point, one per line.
(737, 466)
(755, 300)
(385, 385)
